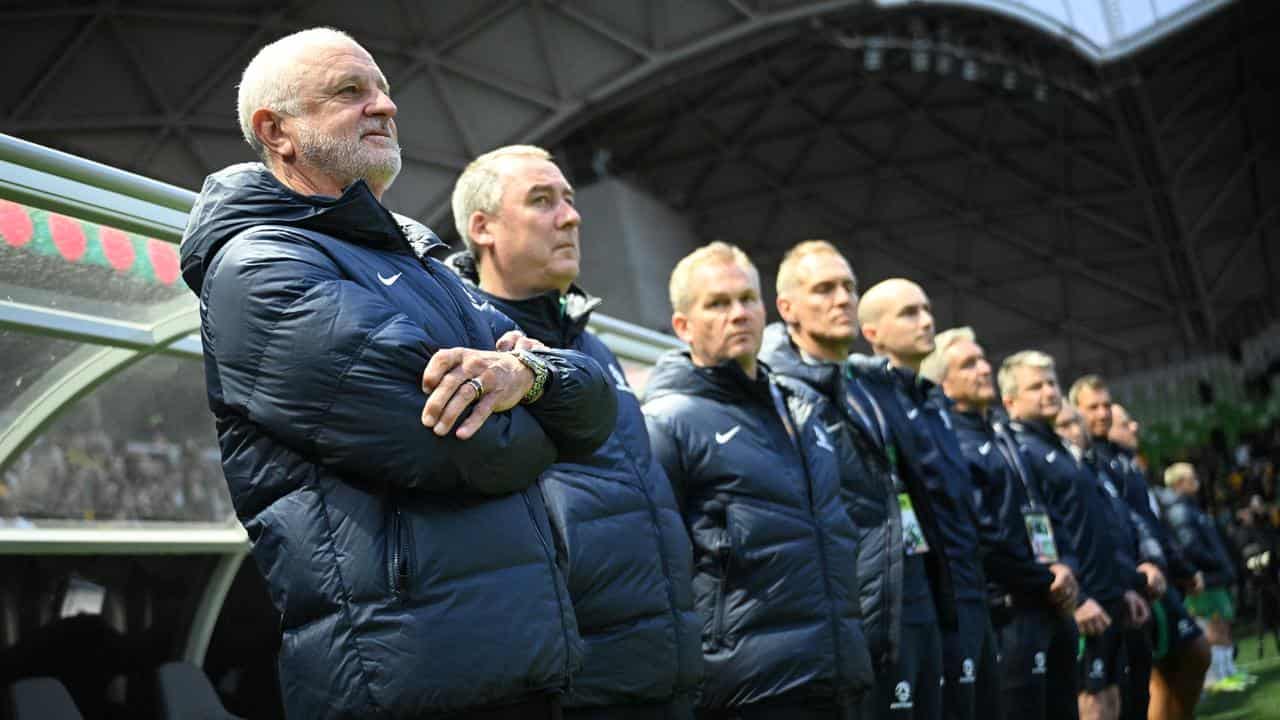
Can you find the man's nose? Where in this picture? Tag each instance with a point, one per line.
(569, 216)
(382, 105)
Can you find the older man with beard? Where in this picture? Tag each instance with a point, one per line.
(382, 431)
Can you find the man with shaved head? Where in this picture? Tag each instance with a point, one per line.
(817, 297)
(896, 318)
(382, 430)
(1031, 587)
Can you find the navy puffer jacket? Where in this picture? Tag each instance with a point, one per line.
(774, 575)
(414, 574)
(614, 511)
(869, 493)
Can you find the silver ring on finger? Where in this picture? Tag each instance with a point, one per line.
(478, 387)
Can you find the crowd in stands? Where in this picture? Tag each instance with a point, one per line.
(96, 476)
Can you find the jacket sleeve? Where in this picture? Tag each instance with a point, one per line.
(1149, 549)
(579, 408)
(667, 451)
(333, 371)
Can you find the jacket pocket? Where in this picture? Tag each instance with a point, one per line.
(399, 554)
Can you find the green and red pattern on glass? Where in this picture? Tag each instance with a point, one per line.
(46, 233)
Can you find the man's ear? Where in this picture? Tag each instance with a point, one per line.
(478, 227)
(1008, 404)
(869, 333)
(269, 127)
(680, 324)
(783, 303)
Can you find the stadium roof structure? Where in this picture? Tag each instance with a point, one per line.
(1093, 177)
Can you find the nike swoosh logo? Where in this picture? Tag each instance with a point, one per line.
(726, 436)
(1051, 456)
(389, 281)
(985, 448)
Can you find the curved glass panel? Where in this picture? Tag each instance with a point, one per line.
(26, 359)
(141, 447)
(55, 261)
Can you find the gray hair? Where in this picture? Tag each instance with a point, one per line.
(479, 187)
(270, 81)
(1027, 358)
(934, 365)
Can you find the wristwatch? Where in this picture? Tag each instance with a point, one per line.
(540, 371)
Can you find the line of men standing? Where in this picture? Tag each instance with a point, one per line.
(462, 509)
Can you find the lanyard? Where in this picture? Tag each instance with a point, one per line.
(1002, 441)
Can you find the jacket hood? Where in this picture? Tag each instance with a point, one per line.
(784, 357)
(675, 374)
(241, 196)
(550, 317)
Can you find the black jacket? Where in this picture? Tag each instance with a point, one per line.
(929, 455)
(1081, 510)
(1198, 538)
(414, 574)
(868, 488)
(1002, 500)
(1132, 484)
(629, 555)
(774, 575)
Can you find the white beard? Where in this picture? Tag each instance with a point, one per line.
(349, 159)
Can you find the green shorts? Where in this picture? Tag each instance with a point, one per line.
(1212, 604)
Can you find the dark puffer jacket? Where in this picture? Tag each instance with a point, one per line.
(414, 574)
(870, 496)
(629, 555)
(774, 576)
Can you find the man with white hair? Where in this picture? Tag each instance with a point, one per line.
(1032, 589)
(382, 431)
(1197, 536)
(629, 556)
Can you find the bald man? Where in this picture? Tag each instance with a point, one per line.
(896, 318)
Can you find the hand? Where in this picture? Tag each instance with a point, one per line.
(1139, 611)
(1063, 591)
(1156, 584)
(504, 378)
(1092, 619)
(516, 340)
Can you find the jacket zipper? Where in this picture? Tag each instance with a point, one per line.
(399, 555)
(722, 591)
(546, 548)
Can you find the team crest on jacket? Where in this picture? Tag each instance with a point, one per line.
(1097, 670)
(968, 672)
(902, 695)
(1038, 663)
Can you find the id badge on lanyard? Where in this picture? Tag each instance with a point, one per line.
(1040, 533)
